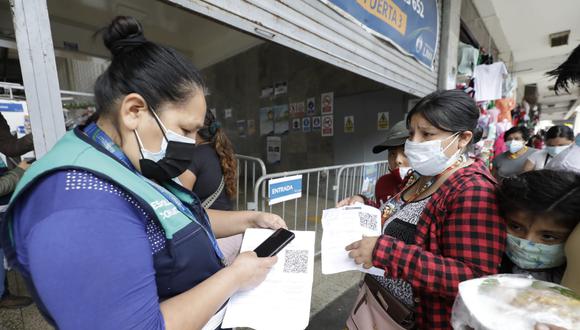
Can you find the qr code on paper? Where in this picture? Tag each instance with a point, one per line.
(368, 221)
(296, 261)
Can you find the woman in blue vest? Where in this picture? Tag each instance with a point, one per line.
(100, 230)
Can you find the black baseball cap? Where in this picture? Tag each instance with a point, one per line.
(396, 136)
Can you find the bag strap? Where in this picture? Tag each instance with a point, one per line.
(208, 202)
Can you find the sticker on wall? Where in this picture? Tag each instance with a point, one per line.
(296, 124)
(251, 127)
(306, 124)
(228, 113)
(267, 92)
(311, 106)
(241, 125)
(316, 122)
(382, 121)
(273, 149)
(327, 103)
(280, 88)
(349, 124)
(327, 126)
(297, 110)
(266, 121)
(281, 119)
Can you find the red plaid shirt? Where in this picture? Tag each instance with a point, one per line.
(460, 235)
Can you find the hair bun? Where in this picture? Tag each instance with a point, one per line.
(123, 34)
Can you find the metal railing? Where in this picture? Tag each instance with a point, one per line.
(249, 170)
(321, 188)
(351, 178)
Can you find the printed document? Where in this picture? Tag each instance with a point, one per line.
(343, 226)
(282, 301)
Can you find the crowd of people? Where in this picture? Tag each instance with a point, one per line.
(137, 228)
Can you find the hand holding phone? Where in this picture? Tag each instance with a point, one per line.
(273, 244)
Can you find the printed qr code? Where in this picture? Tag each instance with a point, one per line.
(368, 221)
(296, 261)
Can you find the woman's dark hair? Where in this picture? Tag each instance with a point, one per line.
(560, 131)
(517, 129)
(568, 72)
(450, 110)
(215, 135)
(555, 194)
(158, 73)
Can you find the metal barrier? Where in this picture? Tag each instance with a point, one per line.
(257, 169)
(351, 178)
(320, 189)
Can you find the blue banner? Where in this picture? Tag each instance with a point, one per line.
(11, 107)
(411, 25)
(284, 189)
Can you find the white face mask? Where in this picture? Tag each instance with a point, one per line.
(515, 145)
(428, 158)
(554, 151)
(404, 171)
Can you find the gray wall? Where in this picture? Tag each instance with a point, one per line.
(237, 82)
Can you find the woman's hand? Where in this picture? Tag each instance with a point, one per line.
(362, 251)
(350, 201)
(267, 220)
(252, 270)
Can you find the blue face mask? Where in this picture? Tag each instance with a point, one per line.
(529, 255)
(554, 151)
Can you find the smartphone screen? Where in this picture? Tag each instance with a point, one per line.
(273, 244)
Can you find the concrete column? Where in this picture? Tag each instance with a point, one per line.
(449, 42)
(38, 66)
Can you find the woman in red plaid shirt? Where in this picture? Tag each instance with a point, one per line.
(444, 227)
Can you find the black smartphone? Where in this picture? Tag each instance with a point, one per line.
(273, 244)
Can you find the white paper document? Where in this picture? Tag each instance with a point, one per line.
(282, 301)
(343, 226)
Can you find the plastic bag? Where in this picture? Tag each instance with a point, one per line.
(512, 301)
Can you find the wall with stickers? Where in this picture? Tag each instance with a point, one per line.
(271, 91)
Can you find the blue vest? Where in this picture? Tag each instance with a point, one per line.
(188, 257)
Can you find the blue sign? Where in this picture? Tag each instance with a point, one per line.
(410, 25)
(284, 189)
(11, 107)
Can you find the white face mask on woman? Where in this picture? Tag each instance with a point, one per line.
(515, 145)
(429, 158)
(554, 151)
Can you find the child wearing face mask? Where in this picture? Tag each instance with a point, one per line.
(541, 209)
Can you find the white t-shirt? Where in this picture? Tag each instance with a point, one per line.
(489, 81)
(539, 159)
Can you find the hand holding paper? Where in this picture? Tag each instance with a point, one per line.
(345, 226)
(362, 251)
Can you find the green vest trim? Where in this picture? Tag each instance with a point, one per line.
(71, 152)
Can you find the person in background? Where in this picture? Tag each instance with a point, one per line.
(569, 160)
(214, 166)
(512, 162)
(445, 228)
(116, 243)
(212, 176)
(389, 184)
(10, 145)
(8, 183)
(541, 209)
(558, 138)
